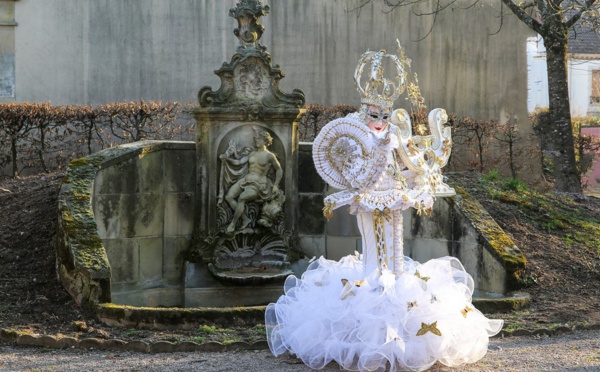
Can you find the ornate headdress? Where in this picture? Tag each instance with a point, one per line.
(377, 90)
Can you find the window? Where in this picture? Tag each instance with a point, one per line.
(595, 97)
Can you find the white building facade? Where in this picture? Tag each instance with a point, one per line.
(583, 75)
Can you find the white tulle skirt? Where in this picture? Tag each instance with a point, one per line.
(405, 322)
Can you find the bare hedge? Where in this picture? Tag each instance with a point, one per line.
(42, 137)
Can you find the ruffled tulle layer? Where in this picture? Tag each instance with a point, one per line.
(405, 322)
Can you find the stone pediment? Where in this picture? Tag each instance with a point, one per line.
(250, 79)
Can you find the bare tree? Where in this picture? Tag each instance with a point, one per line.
(555, 21)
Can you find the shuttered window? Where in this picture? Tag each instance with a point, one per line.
(595, 97)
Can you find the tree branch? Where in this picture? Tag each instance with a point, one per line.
(586, 6)
(524, 17)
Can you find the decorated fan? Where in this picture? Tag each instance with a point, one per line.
(339, 143)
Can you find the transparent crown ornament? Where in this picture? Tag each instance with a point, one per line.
(378, 90)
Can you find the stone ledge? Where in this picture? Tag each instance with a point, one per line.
(178, 318)
(64, 342)
(512, 301)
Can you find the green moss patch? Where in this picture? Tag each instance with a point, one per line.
(500, 244)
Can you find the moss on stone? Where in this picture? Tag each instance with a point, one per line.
(164, 318)
(494, 237)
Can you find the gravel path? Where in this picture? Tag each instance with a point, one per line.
(573, 351)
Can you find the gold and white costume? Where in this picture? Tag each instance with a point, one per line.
(380, 309)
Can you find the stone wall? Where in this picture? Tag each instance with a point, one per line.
(126, 216)
(459, 226)
(114, 50)
(143, 205)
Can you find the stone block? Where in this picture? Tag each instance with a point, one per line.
(179, 214)
(173, 259)
(492, 276)
(151, 259)
(342, 224)
(138, 346)
(141, 215)
(151, 297)
(91, 343)
(310, 214)
(151, 172)
(106, 214)
(180, 170)
(300, 266)
(312, 246)
(338, 247)
(436, 226)
(198, 276)
(308, 180)
(469, 254)
(120, 178)
(162, 347)
(423, 250)
(123, 256)
(66, 342)
(232, 296)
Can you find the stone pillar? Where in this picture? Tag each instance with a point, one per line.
(247, 143)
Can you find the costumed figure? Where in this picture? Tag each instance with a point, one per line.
(381, 309)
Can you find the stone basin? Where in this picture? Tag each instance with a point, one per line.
(126, 219)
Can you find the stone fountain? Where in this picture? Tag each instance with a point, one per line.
(149, 228)
(246, 175)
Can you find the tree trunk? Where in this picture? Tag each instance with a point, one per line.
(557, 134)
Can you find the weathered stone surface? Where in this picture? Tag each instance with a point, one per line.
(30, 340)
(141, 215)
(151, 259)
(125, 255)
(311, 220)
(8, 335)
(128, 213)
(88, 343)
(342, 224)
(423, 250)
(151, 169)
(169, 318)
(312, 246)
(122, 178)
(173, 260)
(438, 226)
(147, 294)
(214, 346)
(340, 246)
(510, 302)
(114, 344)
(180, 169)
(179, 214)
(66, 342)
(108, 222)
(136, 346)
(187, 346)
(309, 179)
(232, 296)
(162, 347)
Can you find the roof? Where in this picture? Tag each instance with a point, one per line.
(584, 41)
(583, 38)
